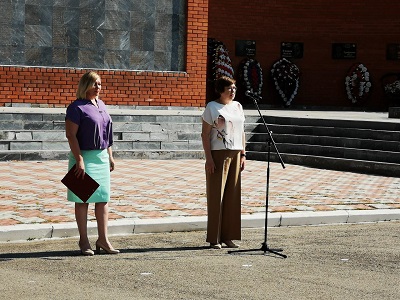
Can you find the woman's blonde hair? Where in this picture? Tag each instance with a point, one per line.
(85, 83)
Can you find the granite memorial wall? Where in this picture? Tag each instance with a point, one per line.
(101, 34)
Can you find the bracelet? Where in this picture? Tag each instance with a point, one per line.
(242, 154)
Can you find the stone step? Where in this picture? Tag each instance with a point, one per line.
(58, 135)
(60, 125)
(117, 115)
(351, 145)
(347, 142)
(331, 131)
(346, 145)
(330, 163)
(118, 145)
(337, 123)
(124, 154)
(334, 152)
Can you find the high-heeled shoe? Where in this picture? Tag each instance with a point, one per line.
(215, 246)
(230, 244)
(86, 251)
(108, 250)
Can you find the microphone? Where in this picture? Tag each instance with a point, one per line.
(248, 93)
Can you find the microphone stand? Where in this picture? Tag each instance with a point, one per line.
(270, 142)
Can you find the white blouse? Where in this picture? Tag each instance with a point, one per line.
(228, 125)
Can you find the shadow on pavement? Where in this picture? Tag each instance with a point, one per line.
(63, 254)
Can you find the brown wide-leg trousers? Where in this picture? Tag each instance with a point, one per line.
(224, 197)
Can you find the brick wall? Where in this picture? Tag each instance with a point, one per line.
(319, 23)
(56, 87)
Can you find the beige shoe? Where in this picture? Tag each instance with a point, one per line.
(108, 250)
(215, 246)
(230, 244)
(86, 251)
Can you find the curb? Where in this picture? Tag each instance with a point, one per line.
(26, 232)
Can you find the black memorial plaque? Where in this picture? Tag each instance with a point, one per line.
(393, 52)
(245, 48)
(344, 51)
(292, 50)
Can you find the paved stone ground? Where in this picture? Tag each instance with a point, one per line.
(31, 191)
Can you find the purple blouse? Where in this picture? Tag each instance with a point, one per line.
(95, 124)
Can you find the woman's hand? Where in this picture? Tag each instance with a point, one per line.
(242, 162)
(80, 169)
(205, 138)
(210, 166)
(71, 130)
(111, 159)
(112, 164)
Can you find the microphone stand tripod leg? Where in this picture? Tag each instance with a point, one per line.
(266, 249)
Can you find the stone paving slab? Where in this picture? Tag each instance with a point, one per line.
(31, 191)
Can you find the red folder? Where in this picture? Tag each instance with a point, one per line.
(83, 188)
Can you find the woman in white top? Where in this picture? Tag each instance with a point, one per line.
(224, 147)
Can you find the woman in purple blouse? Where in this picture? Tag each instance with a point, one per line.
(89, 132)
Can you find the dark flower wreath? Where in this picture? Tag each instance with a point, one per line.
(357, 83)
(252, 75)
(221, 62)
(286, 77)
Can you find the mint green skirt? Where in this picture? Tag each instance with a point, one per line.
(97, 165)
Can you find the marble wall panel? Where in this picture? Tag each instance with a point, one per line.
(117, 20)
(117, 59)
(117, 34)
(38, 15)
(117, 40)
(142, 60)
(67, 3)
(121, 5)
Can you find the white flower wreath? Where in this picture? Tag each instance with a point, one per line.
(357, 83)
(253, 76)
(286, 78)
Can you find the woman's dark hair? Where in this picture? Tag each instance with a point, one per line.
(222, 82)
